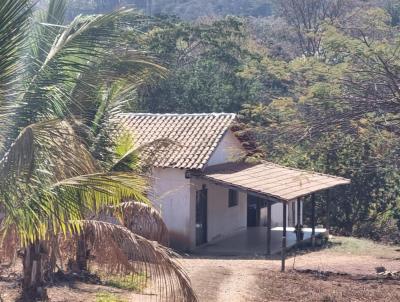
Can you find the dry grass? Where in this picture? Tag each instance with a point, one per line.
(293, 286)
(360, 247)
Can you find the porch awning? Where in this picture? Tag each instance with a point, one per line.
(272, 180)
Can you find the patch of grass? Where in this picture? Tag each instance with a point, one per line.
(134, 282)
(107, 297)
(356, 246)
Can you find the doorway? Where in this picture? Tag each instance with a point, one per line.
(256, 211)
(201, 216)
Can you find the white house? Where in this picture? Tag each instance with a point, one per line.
(203, 189)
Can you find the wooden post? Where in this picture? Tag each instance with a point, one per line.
(269, 206)
(328, 210)
(284, 236)
(298, 219)
(313, 219)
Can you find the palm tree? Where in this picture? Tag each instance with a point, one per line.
(60, 86)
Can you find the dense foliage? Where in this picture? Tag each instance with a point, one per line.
(317, 86)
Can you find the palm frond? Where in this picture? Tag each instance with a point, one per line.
(101, 189)
(56, 12)
(49, 147)
(147, 154)
(108, 89)
(142, 219)
(44, 208)
(119, 250)
(14, 19)
(77, 47)
(14, 16)
(45, 27)
(134, 67)
(111, 100)
(44, 153)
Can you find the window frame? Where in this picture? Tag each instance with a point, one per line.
(233, 198)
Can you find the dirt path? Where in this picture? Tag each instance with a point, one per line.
(240, 280)
(227, 280)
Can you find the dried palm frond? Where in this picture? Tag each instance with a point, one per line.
(142, 219)
(120, 251)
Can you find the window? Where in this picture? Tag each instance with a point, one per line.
(233, 198)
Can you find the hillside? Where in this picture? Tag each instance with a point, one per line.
(184, 9)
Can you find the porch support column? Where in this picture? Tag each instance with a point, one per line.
(298, 219)
(328, 210)
(269, 207)
(313, 219)
(284, 216)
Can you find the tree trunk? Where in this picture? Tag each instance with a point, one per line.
(33, 281)
(81, 253)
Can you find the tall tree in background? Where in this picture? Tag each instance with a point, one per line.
(205, 62)
(307, 19)
(339, 114)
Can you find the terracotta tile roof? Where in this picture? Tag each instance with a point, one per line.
(272, 180)
(193, 137)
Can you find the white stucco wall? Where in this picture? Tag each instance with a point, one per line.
(171, 196)
(222, 220)
(175, 197)
(277, 215)
(228, 150)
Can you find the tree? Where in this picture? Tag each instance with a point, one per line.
(339, 115)
(205, 67)
(59, 87)
(307, 18)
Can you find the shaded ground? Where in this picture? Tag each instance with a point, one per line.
(237, 280)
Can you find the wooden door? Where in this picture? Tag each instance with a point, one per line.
(201, 216)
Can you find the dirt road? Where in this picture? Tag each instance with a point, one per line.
(242, 280)
(227, 280)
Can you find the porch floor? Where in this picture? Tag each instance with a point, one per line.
(252, 241)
